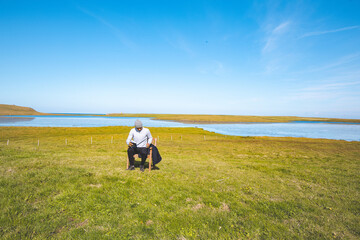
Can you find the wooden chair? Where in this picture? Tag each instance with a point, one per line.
(149, 156)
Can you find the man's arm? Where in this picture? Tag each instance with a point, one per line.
(131, 135)
(149, 138)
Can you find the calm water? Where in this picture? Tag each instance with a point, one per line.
(350, 132)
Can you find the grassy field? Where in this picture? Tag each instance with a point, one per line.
(208, 119)
(208, 186)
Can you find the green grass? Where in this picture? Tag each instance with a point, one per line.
(222, 187)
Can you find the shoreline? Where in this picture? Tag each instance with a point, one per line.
(18, 111)
(163, 117)
(193, 128)
(214, 122)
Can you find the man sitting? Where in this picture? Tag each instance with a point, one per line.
(139, 141)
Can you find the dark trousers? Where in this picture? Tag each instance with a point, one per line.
(143, 152)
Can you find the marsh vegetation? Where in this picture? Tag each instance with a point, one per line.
(213, 119)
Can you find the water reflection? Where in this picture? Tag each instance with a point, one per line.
(15, 119)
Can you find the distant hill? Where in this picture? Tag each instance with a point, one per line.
(17, 110)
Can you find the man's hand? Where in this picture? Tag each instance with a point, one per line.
(130, 144)
(147, 145)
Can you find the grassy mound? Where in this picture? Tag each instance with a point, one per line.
(208, 186)
(17, 110)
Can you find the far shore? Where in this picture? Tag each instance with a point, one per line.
(13, 110)
(231, 119)
(253, 122)
(205, 119)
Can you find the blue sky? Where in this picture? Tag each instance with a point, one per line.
(209, 57)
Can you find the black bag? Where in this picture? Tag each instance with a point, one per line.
(156, 157)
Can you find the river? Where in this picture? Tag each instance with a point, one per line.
(343, 131)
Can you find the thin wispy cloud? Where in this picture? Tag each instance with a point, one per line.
(281, 28)
(331, 86)
(274, 35)
(311, 95)
(219, 67)
(113, 29)
(178, 41)
(326, 91)
(317, 33)
(272, 66)
(212, 67)
(183, 45)
(342, 61)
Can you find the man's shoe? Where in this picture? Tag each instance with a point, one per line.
(142, 168)
(132, 167)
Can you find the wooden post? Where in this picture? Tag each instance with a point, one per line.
(112, 139)
(65, 141)
(204, 137)
(8, 141)
(38, 142)
(150, 159)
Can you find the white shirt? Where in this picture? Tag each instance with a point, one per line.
(141, 138)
